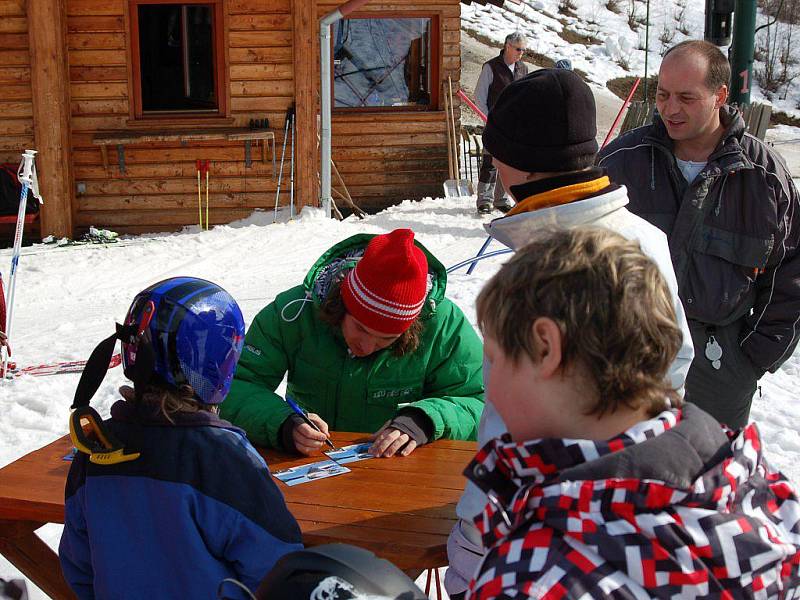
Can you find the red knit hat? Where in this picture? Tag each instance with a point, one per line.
(386, 290)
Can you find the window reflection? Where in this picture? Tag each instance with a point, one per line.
(382, 62)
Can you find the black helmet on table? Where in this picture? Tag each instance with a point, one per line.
(336, 572)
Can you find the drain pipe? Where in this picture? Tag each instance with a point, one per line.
(325, 97)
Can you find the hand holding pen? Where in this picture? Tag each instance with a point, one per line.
(309, 435)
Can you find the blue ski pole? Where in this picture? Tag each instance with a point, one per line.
(27, 177)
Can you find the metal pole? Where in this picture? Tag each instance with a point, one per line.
(291, 176)
(325, 98)
(480, 253)
(325, 110)
(742, 48)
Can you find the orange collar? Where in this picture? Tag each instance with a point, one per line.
(558, 196)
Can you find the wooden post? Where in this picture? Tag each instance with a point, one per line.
(306, 74)
(47, 22)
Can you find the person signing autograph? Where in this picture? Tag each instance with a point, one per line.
(368, 342)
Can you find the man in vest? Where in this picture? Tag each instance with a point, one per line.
(495, 76)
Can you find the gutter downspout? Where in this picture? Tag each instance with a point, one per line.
(325, 97)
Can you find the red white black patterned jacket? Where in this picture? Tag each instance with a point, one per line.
(675, 507)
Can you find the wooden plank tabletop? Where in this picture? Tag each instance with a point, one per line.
(400, 508)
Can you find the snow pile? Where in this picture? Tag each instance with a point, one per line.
(606, 39)
(598, 40)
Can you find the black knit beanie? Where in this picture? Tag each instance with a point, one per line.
(543, 123)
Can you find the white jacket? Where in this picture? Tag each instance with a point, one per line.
(606, 210)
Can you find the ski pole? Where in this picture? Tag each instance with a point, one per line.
(199, 196)
(480, 253)
(291, 177)
(280, 171)
(471, 104)
(619, 114)
(27, 177)
(207, 167)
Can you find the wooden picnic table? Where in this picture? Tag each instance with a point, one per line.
(402, 509)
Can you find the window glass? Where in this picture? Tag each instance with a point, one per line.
(176, 51)
(382, 62)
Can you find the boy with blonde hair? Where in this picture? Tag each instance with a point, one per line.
(606, 485)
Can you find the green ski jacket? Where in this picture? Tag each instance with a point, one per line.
(442, 377)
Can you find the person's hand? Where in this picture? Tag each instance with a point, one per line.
(308, 440)
(389, 441)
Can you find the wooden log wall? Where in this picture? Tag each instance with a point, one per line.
(16, 108)
(159, 188)
(388, 157)
(383, 157)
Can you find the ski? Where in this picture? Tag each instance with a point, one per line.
(60, 368)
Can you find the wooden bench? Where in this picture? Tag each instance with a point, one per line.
(104, 139)
(756, 117)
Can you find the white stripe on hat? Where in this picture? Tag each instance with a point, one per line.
(382, 306)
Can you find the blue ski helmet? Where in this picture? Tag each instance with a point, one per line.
(195, 330)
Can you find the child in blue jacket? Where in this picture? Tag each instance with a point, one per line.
(165, 499)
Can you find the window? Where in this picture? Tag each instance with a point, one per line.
(177, 57)
(385, 63)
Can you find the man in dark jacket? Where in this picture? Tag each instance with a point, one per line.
(729, 208)
(495, 75)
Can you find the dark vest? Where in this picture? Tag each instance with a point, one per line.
(501, 77)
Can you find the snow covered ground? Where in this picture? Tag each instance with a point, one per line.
(69, 299)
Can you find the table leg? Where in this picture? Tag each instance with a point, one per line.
(23, 549)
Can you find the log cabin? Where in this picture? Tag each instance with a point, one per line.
(122, 98)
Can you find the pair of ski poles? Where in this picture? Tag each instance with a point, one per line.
(289, 123)
(203, 166)
(26, 173)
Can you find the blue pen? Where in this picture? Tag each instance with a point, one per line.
(302, 414)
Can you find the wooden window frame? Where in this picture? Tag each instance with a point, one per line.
(220, 71)
(437, 51)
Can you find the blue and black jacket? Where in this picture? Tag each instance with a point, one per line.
(196, 507)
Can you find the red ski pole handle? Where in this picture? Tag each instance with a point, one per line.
(472, 105)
